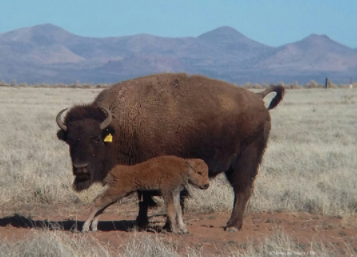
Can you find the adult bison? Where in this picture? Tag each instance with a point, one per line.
(171, 114)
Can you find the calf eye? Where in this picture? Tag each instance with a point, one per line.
(199, 173)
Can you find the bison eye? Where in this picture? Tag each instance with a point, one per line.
(69, 141)
(96, 139)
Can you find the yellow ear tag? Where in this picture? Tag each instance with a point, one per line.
(108, 138)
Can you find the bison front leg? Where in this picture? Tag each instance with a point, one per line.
(142, 220)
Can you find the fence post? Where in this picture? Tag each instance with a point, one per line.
(327, 82)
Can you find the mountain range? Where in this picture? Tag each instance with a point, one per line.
(49, 54)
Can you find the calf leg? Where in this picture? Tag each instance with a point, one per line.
(96, 218)
(171, 210)
(183, 195)
(100, 203)
(178, 210)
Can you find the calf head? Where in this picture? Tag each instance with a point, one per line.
(197, 173)
(84, 130)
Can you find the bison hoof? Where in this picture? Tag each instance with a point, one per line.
(231, 229)
(167, 226)
(141, 224)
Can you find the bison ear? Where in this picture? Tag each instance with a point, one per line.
(62, 135)
(107, 131)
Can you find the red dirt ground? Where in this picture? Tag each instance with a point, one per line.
(205, 230)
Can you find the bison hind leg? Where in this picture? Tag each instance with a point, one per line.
(241, 176)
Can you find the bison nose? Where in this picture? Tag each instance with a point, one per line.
(205, 186)
(80, 168)
(80, 165)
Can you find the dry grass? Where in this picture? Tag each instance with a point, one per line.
(309, 165)
(58, 243)
(46, 243)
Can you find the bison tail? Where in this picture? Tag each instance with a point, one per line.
(280, 91)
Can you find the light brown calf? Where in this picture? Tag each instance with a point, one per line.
(168, 174)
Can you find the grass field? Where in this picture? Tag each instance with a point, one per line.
(309, 165)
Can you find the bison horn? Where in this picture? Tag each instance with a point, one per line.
(108, 120)
(60, 124)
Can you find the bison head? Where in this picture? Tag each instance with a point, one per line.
(85, 129)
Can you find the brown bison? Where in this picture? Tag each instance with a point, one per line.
(168, 174)
(171, 114)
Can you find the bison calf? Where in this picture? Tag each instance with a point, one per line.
(168, 174)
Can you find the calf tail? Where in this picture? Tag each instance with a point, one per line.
(280, 91)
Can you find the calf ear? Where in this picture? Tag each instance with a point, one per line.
(62, 135)
(189, 163)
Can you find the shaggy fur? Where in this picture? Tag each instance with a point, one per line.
(174, 114)
(168, 174)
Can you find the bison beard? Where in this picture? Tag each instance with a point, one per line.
(80, 184)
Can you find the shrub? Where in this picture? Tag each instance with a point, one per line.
(257, 86)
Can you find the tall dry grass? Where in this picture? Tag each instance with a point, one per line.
(58, 244)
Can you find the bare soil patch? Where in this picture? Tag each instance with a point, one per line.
(205, 230)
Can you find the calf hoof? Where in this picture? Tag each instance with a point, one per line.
(184, 229)
(85, 229)
(94, 230)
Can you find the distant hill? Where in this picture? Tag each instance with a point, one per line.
(47, 53)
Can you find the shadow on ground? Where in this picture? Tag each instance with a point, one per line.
(20, 221)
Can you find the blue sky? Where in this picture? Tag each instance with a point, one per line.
(272, 22)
